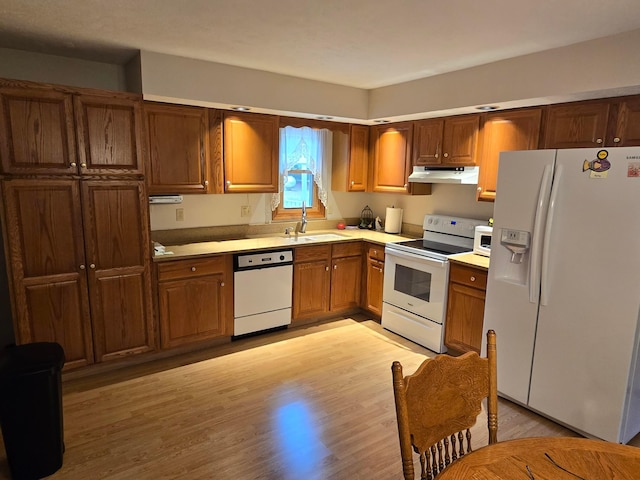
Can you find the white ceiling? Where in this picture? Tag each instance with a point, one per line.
(359, 43)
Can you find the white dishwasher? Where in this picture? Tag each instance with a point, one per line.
(262, 291)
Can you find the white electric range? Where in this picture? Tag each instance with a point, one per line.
(416, 277)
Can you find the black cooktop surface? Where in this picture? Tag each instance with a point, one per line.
(436, 247)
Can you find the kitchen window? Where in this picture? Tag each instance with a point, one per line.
(305, 173)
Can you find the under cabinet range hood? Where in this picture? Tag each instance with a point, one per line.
(461, 175)
(156, 199)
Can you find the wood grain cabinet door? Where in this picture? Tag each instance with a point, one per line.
(375, 281)
(109, 135)
(391, 147)
(311, 289)
(465, 308)
(627, 131)
(118, 253)
(576, 125)
(460, 140)
(501, 132)
(178, 148)
(195, 299)
(346, 274)
(36, 126)
(358, 158)
(251, 152)
(192, 309)
(46, 251)
(427, 142)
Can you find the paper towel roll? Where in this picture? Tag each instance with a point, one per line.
(393, 220)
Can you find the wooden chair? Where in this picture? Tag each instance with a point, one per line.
(437, 405)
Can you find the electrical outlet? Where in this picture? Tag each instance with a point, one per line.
(245, 210)
(179, 214)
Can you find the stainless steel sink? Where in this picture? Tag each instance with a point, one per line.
(317, 238)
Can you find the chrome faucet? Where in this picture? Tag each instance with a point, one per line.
(303, 223)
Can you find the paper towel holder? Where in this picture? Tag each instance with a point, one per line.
(393, 220)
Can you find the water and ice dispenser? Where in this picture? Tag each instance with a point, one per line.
(515, 268)
(517, 242)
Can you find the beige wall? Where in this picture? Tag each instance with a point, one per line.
(38, 67)
(608, 66)
(217, 210)
(184, 80)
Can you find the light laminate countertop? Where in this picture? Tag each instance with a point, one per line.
(472, 259)
(266, 242)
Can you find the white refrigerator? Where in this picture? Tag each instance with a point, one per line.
(563, 293)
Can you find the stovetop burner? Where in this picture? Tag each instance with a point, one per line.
(436, 247)
(443, 236)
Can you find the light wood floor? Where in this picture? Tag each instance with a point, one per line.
(308, 403)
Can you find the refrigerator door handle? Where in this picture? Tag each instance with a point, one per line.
(546, 246)
(536, 241)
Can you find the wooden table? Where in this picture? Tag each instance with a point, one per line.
(587, 459)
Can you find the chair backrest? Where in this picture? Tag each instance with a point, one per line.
(439, 403)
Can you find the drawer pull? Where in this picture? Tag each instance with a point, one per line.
(193, 269)
(222, 284)
(473, 279)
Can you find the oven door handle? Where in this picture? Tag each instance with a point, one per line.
(418, 258)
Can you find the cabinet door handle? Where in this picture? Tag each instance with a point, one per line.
(445, 155)
(437, 155)
(228, 182)
(473, 279)
(92, 266)
(73, 164)
(82, 267)
(222, 284)
(206, 182)
(353, 183)
(326, 269)
(598, 140)
(83, 165)
(193, 269)
(335, 267)
(616, 140)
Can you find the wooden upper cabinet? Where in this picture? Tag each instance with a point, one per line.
(576, 125)
(446, 141)
(505, 131)
(358, 158)
(118, 251)
(48, 268)
(251, 143)
(427, 142)
(37, 131)
(109, 135)
(391, 151)
(178, 147)
(627, 127)
(460, 140)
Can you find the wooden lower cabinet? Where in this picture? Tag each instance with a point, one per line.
(79, 257)
(326, 279)
(465, 308)
(195, 300)
(374, 278)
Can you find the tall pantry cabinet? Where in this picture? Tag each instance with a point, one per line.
(76, 220)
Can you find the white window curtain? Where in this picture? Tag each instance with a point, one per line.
(316, 147)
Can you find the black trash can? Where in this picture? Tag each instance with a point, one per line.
(31, 408)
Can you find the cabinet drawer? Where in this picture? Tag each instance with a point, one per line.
(346, 249)
(191, 268)
(377, 252)
(473, 277)
(315, 252)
